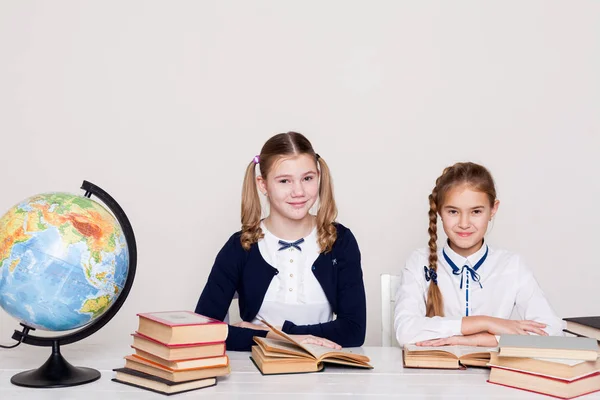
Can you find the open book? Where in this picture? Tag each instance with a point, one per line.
(446, 357)
(286, 355)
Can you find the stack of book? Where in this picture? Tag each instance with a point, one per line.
(174, 352)
(563, 367)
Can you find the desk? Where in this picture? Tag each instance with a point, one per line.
(387, 380)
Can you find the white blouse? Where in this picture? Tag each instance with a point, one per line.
(500, 285)
(294, 293)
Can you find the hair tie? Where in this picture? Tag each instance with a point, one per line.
(256, 159)
(317, 156)
(430, 274)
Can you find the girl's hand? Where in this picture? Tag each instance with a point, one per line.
(244, 324)
(310, 339)
(499, 326)
(478, 339)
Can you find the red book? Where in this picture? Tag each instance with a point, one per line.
(181, 327)
(551, 386)
(180, 365)
(176, 352)
(148, 367)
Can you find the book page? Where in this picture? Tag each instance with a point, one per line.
(317, 351)
(457, 351)
(350, 363)
(282, 346)
(321, 353)
(287, 337)
(276, 354)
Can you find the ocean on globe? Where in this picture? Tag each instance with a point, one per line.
(63, 261)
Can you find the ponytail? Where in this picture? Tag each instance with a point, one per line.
(327, 212)
(251, 210)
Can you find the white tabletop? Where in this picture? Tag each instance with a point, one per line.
(387, 379)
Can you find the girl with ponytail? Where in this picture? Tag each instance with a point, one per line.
(291, 269)
(466, 292)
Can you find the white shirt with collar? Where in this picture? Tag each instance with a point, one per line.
(507, 285)
(294, 293)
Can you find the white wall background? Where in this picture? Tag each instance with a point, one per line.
(163, 104)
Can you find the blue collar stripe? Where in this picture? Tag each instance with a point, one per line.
(472, 271)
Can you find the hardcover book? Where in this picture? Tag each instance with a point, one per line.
(572, 348)
(155, 384)
(181, 327)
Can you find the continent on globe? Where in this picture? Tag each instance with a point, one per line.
(63, 261)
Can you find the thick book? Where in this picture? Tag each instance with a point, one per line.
(179, 365)
(151, 368)
(550, 367)
(571, 348)
(286, 355)
(181, 327)
(446, 357)
(155, 384)
(584, 326)
(561, 388)
(174, 352)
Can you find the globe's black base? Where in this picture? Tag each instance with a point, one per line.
(55, 373)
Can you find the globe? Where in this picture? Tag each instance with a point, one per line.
(63, 261)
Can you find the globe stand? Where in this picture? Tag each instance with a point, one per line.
(56, 372)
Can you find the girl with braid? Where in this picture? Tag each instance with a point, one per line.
(292, 269)
(465, 292)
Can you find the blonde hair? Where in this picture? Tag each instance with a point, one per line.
(476, 177)
(287, 144)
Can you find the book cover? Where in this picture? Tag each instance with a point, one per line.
(182, 365)
(158, 385)
(592, 322)
(576, 348)
(545, 385)
(177, 346)
(181, 327)
(584, 326)
(178, 352)
(139, 364)
(542, 393)
(568, 370)
(179, 318)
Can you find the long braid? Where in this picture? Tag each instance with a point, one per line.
(435, 300)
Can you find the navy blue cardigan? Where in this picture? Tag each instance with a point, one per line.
(338, 271)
